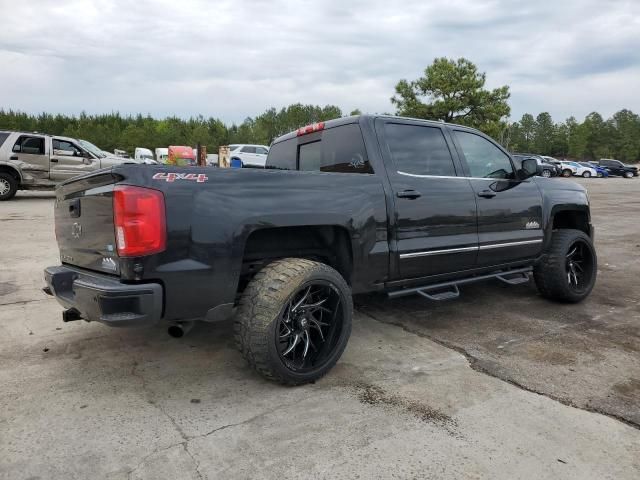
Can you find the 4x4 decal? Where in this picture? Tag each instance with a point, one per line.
(172, 177)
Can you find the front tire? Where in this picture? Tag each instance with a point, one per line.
(546, 173)
(567, 173)
(8, 186)
(600, 175)
(586, 174)
(294, 320)
(567, 271)
(628, 174)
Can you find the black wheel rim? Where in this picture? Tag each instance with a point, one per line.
(310, 326)
(579, 266)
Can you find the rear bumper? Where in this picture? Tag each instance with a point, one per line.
(100, 298)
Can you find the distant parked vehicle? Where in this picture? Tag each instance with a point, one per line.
(144, 155)
(553, 161)
(548, 170)
(181, 156)
(616, 167)
(162, 155)
(568, 169)
(582, 170)
(600, 171)
(35, 161)
(249, 155)
(121, 153)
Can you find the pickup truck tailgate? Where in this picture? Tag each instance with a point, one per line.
(84, 222)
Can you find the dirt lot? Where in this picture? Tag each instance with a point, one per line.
(497, 384)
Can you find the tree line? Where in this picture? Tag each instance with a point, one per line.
(126, 132)
(450, 90)
(617, 137)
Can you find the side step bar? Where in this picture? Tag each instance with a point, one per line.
(449, 290)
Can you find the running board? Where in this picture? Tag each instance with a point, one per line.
(449, 290)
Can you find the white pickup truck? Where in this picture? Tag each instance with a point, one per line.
(36, 161)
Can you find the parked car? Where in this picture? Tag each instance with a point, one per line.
(553, 161)
(547, 169)
(248, 155)
(600, 171)
(369, 204)
(30, 161)
(581, 170)
(568, 169)
(616, 167)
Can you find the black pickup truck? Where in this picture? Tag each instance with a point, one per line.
(353, 205)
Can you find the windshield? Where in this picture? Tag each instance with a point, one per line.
(91, 148)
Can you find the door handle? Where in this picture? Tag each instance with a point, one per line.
(487, 193)
(54, 160)
(13, 157)
(410, 194)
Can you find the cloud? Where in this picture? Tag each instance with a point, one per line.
(233, 59)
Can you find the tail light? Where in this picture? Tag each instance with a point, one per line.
(314, 127)
(139, 219)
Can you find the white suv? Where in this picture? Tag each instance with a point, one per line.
(249, 155)
(581, 170)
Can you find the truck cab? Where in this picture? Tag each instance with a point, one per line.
(144, 155)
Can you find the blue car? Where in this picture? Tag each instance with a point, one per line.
(602, 172)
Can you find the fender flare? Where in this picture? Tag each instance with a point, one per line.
(12, 166)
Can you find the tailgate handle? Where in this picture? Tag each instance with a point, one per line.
(74, 208)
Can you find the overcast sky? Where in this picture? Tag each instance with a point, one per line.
(233, 59)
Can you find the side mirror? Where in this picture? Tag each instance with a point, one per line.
(530, 168)
(17, 148)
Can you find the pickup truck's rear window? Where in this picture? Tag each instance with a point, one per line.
(3, 137)
(339, 149)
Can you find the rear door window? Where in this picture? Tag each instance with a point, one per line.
(29, 145)
(248, 150)
(419, 150)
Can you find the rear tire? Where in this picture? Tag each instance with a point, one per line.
(567, 271)
(294, 320)
(8, 186)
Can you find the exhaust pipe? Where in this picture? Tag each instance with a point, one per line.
(179, 329)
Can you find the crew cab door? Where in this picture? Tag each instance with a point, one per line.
(509, 210)
(69, 160)
(435, 208)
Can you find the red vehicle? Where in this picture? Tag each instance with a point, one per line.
(181, 156)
